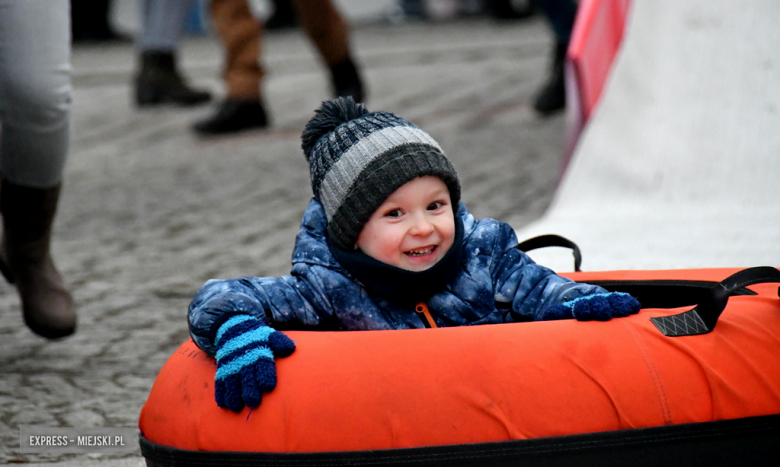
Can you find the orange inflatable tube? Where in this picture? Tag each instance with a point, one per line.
(391, 390)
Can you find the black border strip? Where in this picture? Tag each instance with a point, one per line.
(753, 441)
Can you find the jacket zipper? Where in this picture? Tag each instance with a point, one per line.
(425, 315)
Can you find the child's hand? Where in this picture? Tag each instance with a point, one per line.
(246, 348)
(600, 307)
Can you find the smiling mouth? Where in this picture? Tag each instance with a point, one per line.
(421, 251)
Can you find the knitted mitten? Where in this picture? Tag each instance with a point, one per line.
(246, 348)
(599, 307)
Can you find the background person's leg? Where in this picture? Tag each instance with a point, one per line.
(241, 36)
(35, 101)
(551, 98)
(240, 33)
(159, 80)
(330, 34)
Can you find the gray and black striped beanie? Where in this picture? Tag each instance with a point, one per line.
(358, 159)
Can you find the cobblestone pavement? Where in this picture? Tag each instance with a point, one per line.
(149, 212)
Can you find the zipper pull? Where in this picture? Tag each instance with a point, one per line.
(425, 315)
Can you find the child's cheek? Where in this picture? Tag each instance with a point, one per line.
(391, 244)
(388, 245)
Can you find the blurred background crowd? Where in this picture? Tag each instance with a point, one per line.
(36, 103)
(161, 148)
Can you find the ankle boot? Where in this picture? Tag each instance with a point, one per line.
(552, 97)
(25, 259)
(346, 80)
(233, 116)
(159, 82)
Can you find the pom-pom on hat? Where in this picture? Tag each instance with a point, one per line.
(359, 158)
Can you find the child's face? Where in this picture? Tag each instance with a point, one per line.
(414, 228)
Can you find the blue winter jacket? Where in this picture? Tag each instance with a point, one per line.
(496, 283)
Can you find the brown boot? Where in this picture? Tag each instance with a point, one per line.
(25, 260)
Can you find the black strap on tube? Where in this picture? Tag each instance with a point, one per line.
(544, 241)
(703, 317)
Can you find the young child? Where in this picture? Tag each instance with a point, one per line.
(384, 244)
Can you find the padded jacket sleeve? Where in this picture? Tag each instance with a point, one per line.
(528, 288)
(278, 301)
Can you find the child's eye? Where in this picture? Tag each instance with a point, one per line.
(393, 213)
(435, 205)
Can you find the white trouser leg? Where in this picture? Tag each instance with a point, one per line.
(35, 91)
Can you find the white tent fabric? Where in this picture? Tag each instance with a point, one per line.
(679, 165)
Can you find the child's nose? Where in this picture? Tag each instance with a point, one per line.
(421, 225)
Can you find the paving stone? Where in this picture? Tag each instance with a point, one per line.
(84, 419)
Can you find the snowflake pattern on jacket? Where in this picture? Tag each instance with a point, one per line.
(496, 283)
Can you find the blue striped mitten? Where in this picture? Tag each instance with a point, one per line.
(246, 348)
(599, 307)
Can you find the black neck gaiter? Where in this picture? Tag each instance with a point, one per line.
(397, 285)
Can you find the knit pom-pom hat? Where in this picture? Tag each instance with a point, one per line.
(359, 158)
